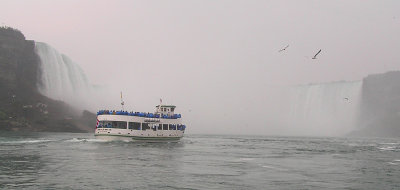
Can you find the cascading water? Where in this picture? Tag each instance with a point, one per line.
(316, 109)
(329, 108)
(61, 78)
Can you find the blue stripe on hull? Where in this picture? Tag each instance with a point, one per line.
(142, 138)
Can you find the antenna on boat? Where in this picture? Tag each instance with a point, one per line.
(122, 102)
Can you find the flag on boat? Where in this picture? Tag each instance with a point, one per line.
(97, 124)
(160, 101)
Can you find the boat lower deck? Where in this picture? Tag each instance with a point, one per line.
(129, 134)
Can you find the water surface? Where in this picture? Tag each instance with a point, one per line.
(79, 161)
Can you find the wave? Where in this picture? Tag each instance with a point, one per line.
(389, 148)
(26, 141)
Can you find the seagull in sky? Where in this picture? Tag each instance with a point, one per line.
(284, 48)
(315, 56)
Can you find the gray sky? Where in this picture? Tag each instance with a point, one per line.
(211, 57)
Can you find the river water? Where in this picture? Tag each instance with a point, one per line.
(79, 161)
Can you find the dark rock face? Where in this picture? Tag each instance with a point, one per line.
(380, 105)
(22, 107)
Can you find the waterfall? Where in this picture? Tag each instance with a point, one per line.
(329, 108)
(61, 78)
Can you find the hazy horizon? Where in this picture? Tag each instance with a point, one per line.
(216, 61)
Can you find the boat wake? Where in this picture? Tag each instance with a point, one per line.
(26, 141)
(85, 140)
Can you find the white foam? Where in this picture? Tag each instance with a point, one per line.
(19, 161)
(268, 167)
(26, 141)
(246, 159)
(84, 140)
(76, 140)
(390, 148)
(389, 143)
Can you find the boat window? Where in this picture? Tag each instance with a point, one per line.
(172, 127)
(172, 109)
(105, 124)
(119, 124)
(154, 127)
(159, 127)
(113, 124)
(165, 126)
(134, 125)
(145, 126)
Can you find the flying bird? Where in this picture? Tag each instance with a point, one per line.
(315, 56)
(284, 48)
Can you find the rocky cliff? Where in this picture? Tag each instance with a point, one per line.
(22, 107)
(380, 106)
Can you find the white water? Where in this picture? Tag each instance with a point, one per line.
(316, 109)
(62, 79)
(330, 108)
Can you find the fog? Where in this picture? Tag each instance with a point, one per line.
(218, 61)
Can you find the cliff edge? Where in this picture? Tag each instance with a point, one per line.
(380, 106)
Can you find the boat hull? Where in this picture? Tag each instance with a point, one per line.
(108, 137)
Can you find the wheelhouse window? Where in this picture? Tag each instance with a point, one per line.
(134, 125)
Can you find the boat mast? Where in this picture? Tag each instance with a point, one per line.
(159, 106)
(122, 102)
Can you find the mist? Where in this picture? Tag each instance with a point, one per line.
(219, 61)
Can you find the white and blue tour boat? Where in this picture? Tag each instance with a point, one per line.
(163, 124)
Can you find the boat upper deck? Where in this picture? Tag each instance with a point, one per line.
(139, 114)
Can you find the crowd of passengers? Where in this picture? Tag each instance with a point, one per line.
(140, 114)
(140, 126)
